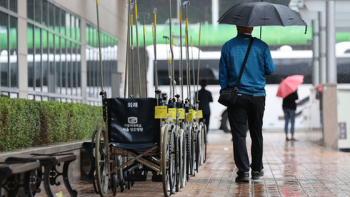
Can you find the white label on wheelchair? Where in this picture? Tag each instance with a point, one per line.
(132, 120)
(133, 104)
(132, 125)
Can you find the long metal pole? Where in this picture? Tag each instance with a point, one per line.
(127, 59)
(169, 63)
(173, 68)
(193, 72)
(99, 44)
(171, 48)
(199, 50)
(132, 55)
(187, 57)
(181, 66)
(138, 48)
(144, 52)
(155, 47)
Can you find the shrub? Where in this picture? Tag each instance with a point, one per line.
(25, 123)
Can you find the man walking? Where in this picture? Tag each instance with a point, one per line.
(204, 97)
(250, 104)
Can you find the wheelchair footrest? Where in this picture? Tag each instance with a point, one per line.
(136, 177)
(157, 178)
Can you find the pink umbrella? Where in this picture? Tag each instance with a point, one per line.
(289, 85)
(319, 87)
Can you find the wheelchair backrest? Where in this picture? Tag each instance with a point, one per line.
(131, 120)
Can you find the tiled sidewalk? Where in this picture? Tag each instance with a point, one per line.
(297, 168)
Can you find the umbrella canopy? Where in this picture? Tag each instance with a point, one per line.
(261, 14)
(319, 87)
(289, 85)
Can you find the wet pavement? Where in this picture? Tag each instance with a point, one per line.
(292, 168)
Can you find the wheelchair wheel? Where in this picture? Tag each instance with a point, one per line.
(121, 177)
(204, 143)
(102, 163)
(178, 161)
(114, 184)
(167, 162)
(182, 158)
(198, 148)
(93, 142)
(193, 152)
(188, 152)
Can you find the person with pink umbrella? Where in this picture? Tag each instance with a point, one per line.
(288, 91)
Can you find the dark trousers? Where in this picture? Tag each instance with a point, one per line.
(206, 118)
(251, 108)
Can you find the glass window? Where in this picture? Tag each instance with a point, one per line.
(57, 19)
(45, 15)
(30, 9)
(79, 71)
(13, 52)
(74, 70)
(37, 10)
(68, 25)
(69, 68)
(58, 64)
(51, 62)
(37, 58)
(13, 5)
(51, 16)
(73, 28)
(45, 58)
(30, 57)
(63, 66)
(77, 26)
(4, 53)
(109, 55)
(63, 22)
(3, 3)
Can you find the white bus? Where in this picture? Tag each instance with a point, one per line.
(287, 61)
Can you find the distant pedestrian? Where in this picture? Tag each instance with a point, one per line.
(289, 107)
(250, 104)
(205, 97)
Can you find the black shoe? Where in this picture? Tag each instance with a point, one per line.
(243, 177)
(256, 174)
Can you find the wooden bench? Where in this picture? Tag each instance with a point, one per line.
(9, 172)
(49, 162)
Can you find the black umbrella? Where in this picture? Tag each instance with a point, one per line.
(261, 14)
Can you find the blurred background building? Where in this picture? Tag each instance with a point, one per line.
(49, 49)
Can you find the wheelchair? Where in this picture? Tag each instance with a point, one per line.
(133, 144)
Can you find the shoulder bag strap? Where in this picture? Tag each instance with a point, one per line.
(244, 62)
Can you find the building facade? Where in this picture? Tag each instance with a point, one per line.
(49, 49)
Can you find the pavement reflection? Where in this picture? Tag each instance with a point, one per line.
(292, 168)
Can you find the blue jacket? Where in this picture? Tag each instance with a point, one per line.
(258, 65)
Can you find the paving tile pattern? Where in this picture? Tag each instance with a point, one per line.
(299, 168)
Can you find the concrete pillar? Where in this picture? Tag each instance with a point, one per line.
(122, 43)
(331, 60)
(315, 48)
(214, 12)
(22, 50)
(322, 44)
(83, 60)
(330, 116)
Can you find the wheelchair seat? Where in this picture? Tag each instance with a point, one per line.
(139, 147)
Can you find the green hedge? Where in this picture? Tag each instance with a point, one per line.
(25, 123)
